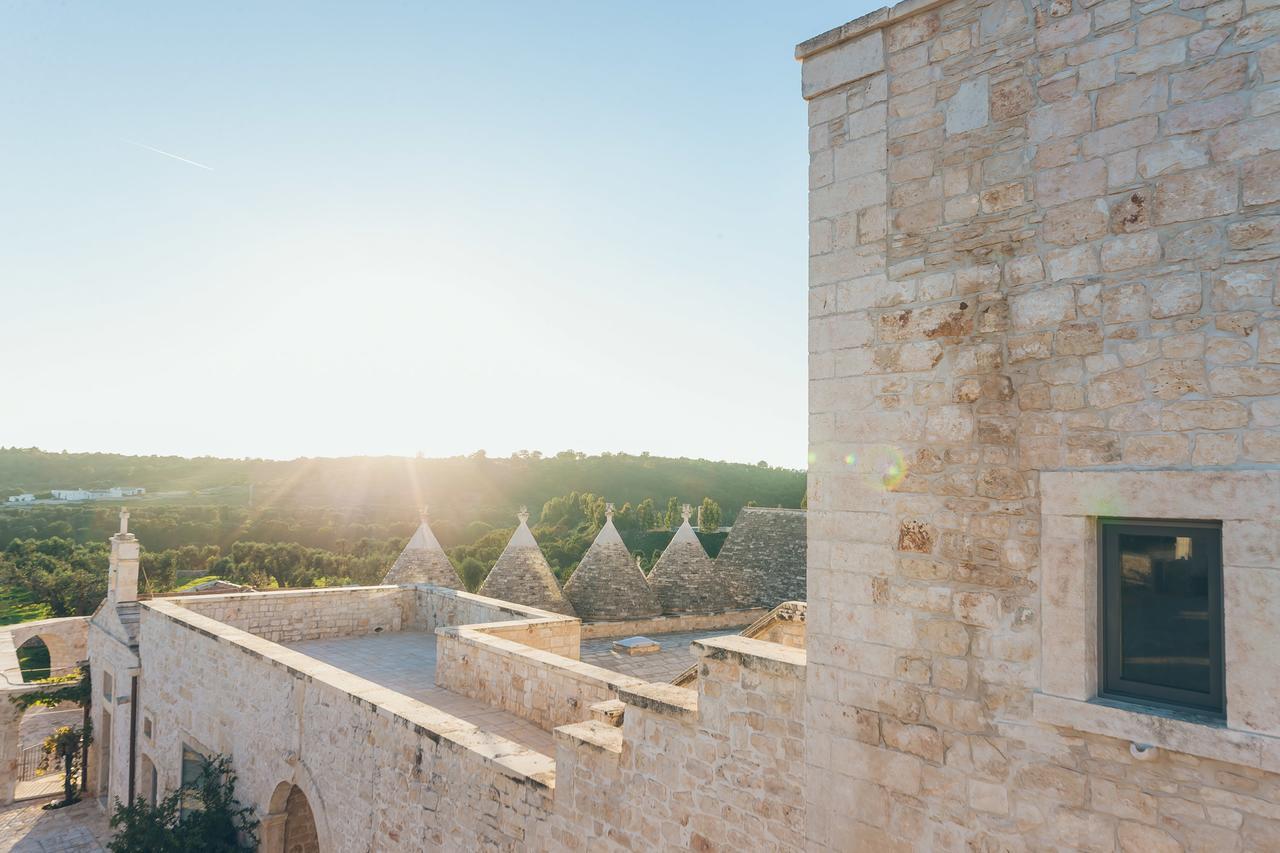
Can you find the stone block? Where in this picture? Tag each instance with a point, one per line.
(1197, 194)
(970, 107)
(842, 64)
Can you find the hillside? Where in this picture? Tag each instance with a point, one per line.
(460, 490)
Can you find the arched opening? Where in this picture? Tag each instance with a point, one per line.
(39, 774)
(33, 658)
(290, 825)
(147, 780)
(299, 825)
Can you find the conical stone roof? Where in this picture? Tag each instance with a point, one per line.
(608, 585)
(684, 578)
(522, 575)
(423, 561)
(764, 561)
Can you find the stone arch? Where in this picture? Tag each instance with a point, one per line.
(300, 834)
(148, 779)
(65, 639)
(295, 820)
(36, 658)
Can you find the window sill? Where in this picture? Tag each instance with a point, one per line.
(1166, 731)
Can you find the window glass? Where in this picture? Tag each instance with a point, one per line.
(1162, 607)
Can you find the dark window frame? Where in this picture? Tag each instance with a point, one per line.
(1110, 683)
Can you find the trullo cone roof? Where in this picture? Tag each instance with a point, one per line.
(608, 585)
(423, 561)
(522, 575)
(685, 580)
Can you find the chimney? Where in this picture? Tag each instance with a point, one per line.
(122, 576)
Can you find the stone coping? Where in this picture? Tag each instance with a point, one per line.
(508, 757)
(271, 593)
(673, 623)
(520, 610)
(757, 655)
(479, 635)
(592, 733)
(1176, 735)
(662, 698)
(882, 17)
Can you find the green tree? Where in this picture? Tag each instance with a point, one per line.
(672, 518)
(219, 824)
(646, 516)
(66, 745)
(473, 573)
(709, 517)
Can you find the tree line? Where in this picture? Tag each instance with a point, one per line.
(64, 564)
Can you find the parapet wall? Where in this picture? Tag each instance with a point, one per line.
(515, 667)
(717, 769)
(729, 619)
(290, 616)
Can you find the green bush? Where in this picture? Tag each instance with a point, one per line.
(213, 821)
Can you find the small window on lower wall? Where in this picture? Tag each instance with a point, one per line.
(1161, 606)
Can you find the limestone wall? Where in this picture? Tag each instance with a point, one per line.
(290, 616)
(1043, 237)
(437, 607)
(719, 769)
(379, 771)
(729, 620)
(112, 666)
(497, 665)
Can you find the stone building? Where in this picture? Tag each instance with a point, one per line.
(423, 561)
(522, 575)
(762, 562)
(685, 579)
(608, 584)
(1044, 562)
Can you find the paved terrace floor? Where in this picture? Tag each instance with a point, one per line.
(28, 828)
(664, 665)
(405, 661)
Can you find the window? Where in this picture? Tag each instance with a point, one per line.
(107, 687)
(1161, 605)
(192, 764)
(146, 727)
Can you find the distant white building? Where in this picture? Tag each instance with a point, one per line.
(22, 499)
(98, 494)
(71, 494)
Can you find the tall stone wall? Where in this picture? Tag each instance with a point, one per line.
(719, 769)
(1043, 237)
(379, 771)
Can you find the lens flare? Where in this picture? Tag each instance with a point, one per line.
(884, 467)
(850, 459)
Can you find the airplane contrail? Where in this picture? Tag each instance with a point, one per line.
(167, 154)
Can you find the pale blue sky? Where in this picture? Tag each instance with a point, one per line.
(422, 227)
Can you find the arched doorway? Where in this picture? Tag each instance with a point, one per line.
(299, 825)
(290, 825)
(33, 658)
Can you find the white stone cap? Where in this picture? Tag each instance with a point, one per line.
(609, 534)
(878, 19)
(685, 533)
(523, 537)
(423, 538)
